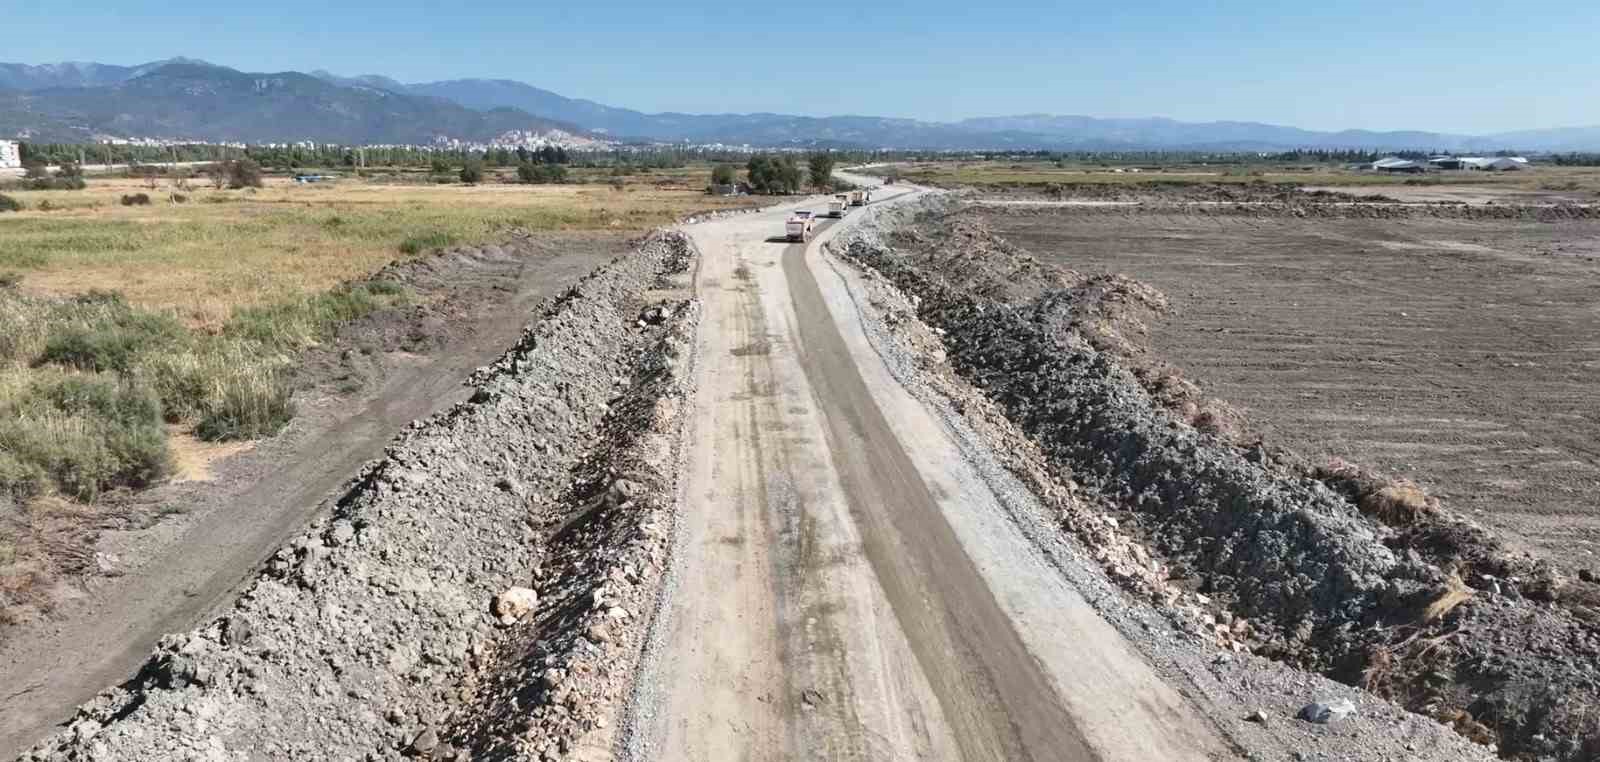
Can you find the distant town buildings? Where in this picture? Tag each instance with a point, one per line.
(10, 154)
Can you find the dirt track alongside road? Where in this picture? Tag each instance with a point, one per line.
(53, 666)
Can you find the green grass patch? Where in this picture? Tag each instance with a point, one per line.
(87, 384)
(418, 244)
(79, 435)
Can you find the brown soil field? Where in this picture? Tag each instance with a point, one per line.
(1461, 354)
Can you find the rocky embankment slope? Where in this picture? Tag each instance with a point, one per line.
(480, 592)
(1322, 566)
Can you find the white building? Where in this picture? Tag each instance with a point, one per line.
(10, 154)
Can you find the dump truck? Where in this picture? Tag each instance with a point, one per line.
(859, 197)
(798, 227)
(839, 206)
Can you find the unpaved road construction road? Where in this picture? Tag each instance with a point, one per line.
(848, 586)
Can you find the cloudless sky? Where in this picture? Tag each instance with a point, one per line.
(1473, 66)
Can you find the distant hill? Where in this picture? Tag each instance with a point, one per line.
(74, 74)
(1038, 131)
(187, 98)
(197, 100)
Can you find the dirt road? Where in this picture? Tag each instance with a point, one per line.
(848, 586)
(51, 667)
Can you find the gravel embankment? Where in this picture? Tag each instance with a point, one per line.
(1280, 563)
(476, 593)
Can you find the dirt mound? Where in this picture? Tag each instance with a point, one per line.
(378, 635)
(1363, 579)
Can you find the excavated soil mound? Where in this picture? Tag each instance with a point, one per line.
(1337, 570)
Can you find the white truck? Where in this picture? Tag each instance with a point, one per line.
(839, 206)
(860, 197)
(799, 225)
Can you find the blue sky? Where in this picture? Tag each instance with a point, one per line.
(1464, 66)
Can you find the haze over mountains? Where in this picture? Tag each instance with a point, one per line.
(184, 98)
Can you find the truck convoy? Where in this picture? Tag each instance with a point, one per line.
(799, 225)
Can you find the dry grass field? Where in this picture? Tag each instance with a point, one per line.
(223, 249)
(122, 320)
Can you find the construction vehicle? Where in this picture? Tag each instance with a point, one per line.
(799, 225)
(859, 197)
(839, 206)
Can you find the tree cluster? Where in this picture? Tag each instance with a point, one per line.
(821, 166)
(773, 175)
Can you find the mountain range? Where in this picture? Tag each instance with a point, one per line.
(185, 98)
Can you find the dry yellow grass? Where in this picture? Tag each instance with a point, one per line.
(1455, 593)
(226, 249)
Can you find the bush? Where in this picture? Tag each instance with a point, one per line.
(136, 199)
(100, 332)
(178, 198)
(541, 174)
(9, 204)
(82, 435)
(235, 174)
(472, 172)
(724, 174)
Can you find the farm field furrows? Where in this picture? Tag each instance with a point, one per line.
(1460, 354)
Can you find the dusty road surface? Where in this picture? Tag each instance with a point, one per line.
(846, 586)
(48, 668)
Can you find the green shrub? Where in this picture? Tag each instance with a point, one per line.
(91, 396)
(9, 204)
(19, 479)
(82, 435)
(541, 174)
(136, 199)
(108, 335)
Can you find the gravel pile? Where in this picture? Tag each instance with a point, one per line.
(475, 593)
(1250, 532)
